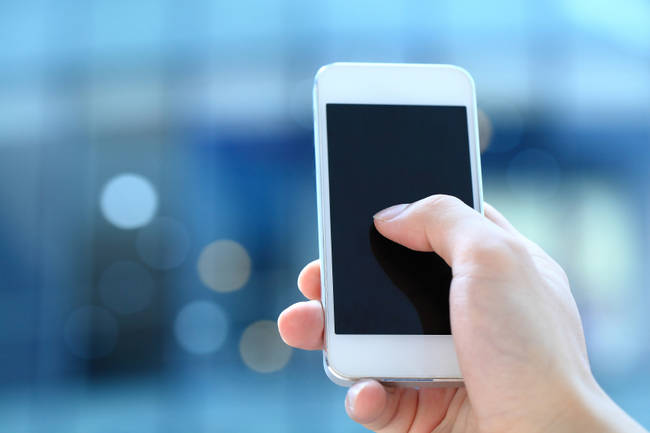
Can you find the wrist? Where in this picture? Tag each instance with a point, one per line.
(589, 409)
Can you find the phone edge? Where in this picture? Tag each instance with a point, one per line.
(332, 374)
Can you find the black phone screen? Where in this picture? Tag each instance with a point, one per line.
(378, 156)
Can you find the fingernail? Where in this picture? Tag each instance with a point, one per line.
(390, 212)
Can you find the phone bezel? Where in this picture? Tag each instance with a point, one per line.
(351, 357)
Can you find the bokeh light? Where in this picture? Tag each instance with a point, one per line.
(145, 132)
(126, 287)
(90, 332)
(262, 348)
(485, 130)
(129, 201)
(163, 243)
(507, 127)
(201, 327)
(224, 266)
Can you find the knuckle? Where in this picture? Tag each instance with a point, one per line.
(498, 251)
(438, 201)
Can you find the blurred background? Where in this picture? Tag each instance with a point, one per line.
(157, 193)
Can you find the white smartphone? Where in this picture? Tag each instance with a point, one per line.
(388, 134)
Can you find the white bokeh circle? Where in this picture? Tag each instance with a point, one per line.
(224, 266)
(129, 201)
(262, 348)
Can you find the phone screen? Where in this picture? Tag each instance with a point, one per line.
(379, 156)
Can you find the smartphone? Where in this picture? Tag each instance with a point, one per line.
(387, 134)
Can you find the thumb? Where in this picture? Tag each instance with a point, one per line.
(439, 223)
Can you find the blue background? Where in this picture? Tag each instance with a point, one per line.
(147, 131)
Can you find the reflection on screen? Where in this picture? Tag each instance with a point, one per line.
(381, 155)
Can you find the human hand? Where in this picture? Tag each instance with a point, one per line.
(516, 329)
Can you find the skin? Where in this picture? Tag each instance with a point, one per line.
(515, 324)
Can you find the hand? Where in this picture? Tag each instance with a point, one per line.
(515, 324)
